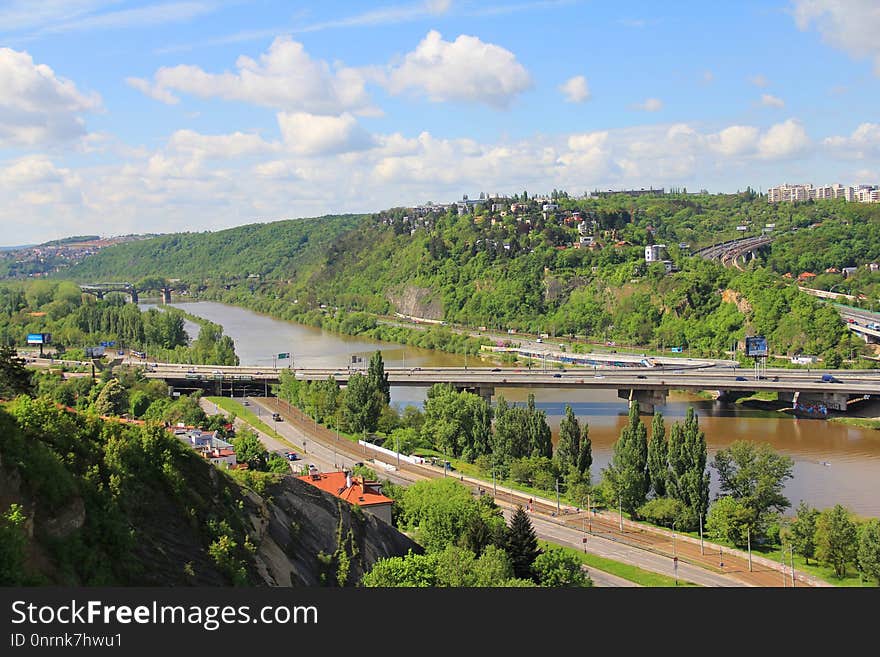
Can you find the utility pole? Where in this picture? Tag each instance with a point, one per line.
(791, 559)
(557, 496)
(590, 512)
(782, 561)
(749, 540)
(620, 503)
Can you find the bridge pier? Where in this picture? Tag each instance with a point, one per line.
(166, 295)
(485, 392)
(834, 401)
(134, 296)
(647, 399)
(732, 395)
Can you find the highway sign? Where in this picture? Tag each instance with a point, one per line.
(39, 338)
(756, 345)
(286, 354)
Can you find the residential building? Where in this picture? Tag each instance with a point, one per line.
(655, 252)
(354, 490)
(787, 193)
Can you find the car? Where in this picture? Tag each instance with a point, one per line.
(741, 378)
(827, 378)
(557, 376)
(496, 369)
(641, 376)
(292, 456)
(245, 402)
(276, 417)
(359, 464)
(850, 320)
(539, 340)
(217, 372)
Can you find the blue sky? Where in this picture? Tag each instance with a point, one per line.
(136, 116)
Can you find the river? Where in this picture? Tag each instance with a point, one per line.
(833, 463)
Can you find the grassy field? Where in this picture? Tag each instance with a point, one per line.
(624, 570)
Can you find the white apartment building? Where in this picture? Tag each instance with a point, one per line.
(790, 193)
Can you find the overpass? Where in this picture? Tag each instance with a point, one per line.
(648, 386)
(731, 250)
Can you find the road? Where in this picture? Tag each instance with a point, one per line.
(639, 545)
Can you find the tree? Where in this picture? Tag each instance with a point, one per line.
(362, 403)
(15, 379)
(568, 443)
(522, 544)
(627, 472)
(249, 449)
(585, 456)
(377, 376)
(111, 399)
(657, 456)
(662, 511)
(558, 568)
(869, 549)
(13, 541)
(836, 539)
(440, 512)
(755, 475)
(729, 520)
(414, 570)
(803, 531)
(686, 477)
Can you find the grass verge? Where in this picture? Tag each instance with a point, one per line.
(861, 422)
(624, 570)
(231, 406)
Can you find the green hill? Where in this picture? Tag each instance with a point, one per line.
(85, 501)
(280, 249)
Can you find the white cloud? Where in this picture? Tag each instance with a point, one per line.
(285, 77)
(783, 140)
(27, 14)
(850, 25)
(734, 140)
(575, 89)
(759, 80)
(223, 147)
(466, 69)
(309, 134)
(36, 106)
(649, 105)
(769, 100)
(863, 143)
(158, 14)
(154, 92)
(385, 16)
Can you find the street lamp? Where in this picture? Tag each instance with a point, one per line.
(674, 553)
(701, 534)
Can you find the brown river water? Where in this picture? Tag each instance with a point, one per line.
(834, 463)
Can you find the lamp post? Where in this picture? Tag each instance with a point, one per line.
(557, 496)
(701, 534)
(620, 511)
(791, 560)
(674, 553)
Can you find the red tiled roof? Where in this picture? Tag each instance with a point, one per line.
(334, 483)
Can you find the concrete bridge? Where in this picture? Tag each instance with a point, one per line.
(648, 386)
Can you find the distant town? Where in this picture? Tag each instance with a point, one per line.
(853, 193)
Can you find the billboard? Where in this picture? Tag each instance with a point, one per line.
(39, 338)
(94, 352)
(756, 345)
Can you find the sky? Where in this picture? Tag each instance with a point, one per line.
(145, 116)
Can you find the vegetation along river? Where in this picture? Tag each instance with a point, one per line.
(834, 463)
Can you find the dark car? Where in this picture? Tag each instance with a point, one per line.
(641, 376)
(827, 378)
(557, 376)
(292, 456)
(496, 369)
(741, 378)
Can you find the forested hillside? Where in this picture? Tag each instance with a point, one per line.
(275, 250)
(558, 265)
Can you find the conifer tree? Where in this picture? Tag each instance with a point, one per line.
(688, 480)
(585, 455)
(568, 445)
(522, 544)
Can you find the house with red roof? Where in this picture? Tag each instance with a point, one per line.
(354, 490)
